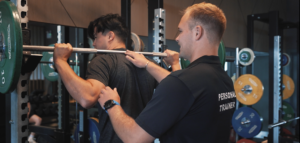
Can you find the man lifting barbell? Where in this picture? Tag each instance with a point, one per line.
(188, 105)
(135, 85)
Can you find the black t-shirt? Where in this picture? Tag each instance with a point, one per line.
(192, 105)
(135, 87)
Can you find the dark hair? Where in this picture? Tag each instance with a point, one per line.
(211, 17)
(111, 22)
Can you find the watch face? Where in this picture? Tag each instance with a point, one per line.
(108, 104)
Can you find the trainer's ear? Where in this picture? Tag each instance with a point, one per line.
(198, 32)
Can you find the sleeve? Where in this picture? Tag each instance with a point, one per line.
(99, 69)
(169, 104)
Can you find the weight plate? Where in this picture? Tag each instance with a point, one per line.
(94, 133)
(184, 63)
(248, 89)
(137, 44)
(246, 122)
(246, 56)
(286, 59)
(11, 50)
(221, 53)
(285, 131)
(245, 141)
(288, 112)
(288, 86)
(48, 69)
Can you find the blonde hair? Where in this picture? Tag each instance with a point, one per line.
(210, 17)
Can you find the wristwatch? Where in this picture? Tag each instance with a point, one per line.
(110, 103)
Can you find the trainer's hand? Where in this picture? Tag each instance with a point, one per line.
(172, 58)
(62, 52)
(107, 94)
(138, 60)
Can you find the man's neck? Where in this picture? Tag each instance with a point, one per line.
(201, 50)
(116, 46)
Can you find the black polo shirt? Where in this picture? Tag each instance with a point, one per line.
(192, 105)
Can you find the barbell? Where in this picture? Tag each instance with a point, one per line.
(88, 50)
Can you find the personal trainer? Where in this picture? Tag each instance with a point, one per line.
(188, 105)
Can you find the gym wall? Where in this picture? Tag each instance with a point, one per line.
(82, 12)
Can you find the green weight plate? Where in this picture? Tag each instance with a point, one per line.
(288, 112)
(48, 69)
(221, 52)
(11, 50)
(245, 56)
(184, 63)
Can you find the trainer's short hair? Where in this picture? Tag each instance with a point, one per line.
(210, 17)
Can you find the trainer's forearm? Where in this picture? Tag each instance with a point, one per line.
(157, 72)
(126, 127)
(78, 88)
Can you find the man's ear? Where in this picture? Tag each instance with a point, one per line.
(111, 35)
(198, 32)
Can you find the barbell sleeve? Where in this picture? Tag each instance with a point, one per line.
(88, 50)
(281, 123)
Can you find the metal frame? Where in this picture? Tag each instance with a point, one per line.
(152, 5)
(297, 126)
(126, 14)
(18, 98)
(159, 34)
(277, 87)
(237, 75)
(23, 11)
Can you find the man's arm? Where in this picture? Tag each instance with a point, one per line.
(86, 92)
(172, 59)
(140, 61)
(126, 128)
